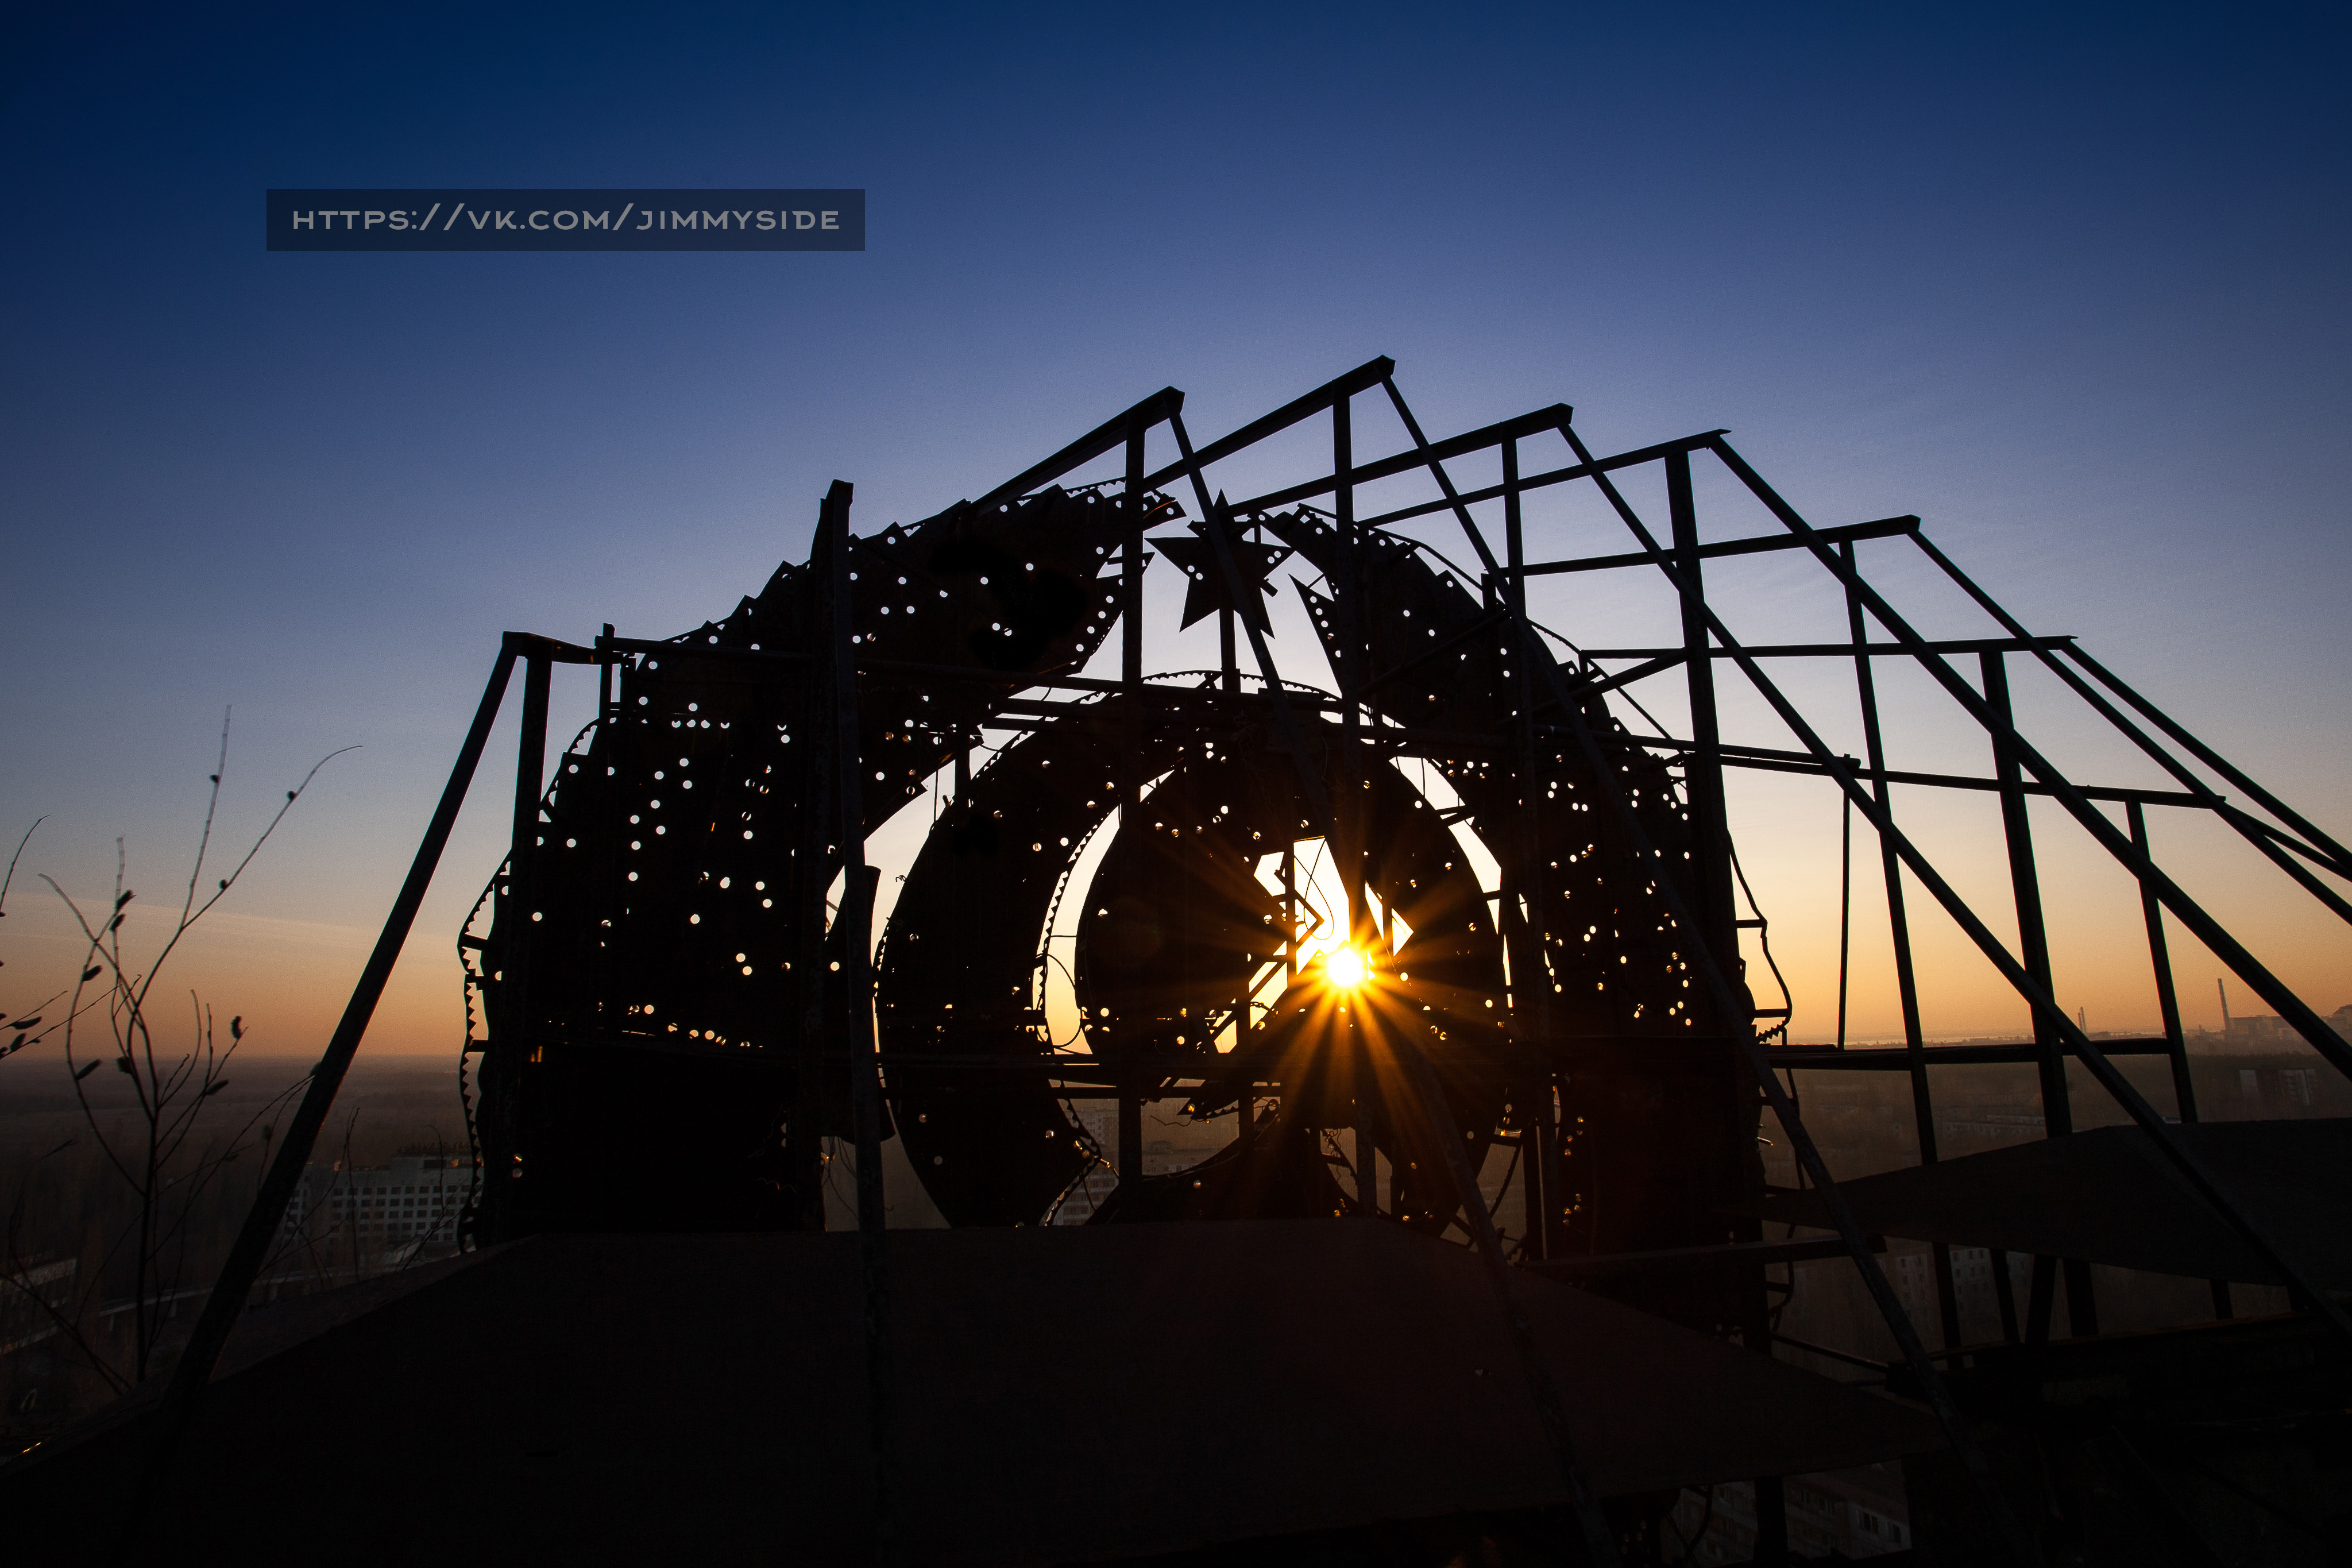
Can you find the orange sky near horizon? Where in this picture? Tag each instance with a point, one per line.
(289, 977)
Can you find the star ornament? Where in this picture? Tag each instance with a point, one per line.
(1205, 591)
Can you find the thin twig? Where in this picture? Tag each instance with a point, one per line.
(11, 876)
(212, 804)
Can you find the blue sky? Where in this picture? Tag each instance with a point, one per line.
(2067, 281)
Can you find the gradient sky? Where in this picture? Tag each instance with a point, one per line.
(2069, 282)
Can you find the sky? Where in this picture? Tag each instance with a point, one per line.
(2066, 281)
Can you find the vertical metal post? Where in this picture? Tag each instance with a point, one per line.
(806, 1151)
(1555, 1129)
(2033, 954)
(1947, 1295)
(1845, 912)
(1703, 772)
(1898, 921)
(1348, 820)
(1531, 1015)
(2032, 935)
(1130, 1139)
(1289, 918)
(2004, 1293)
(856, 920)
(1711, 900)
(1130, 585)
(1130, 675)
(2041, 1294)
(522, 853)
(2168, 1001)
(1534, 1189)
(2184, 1091)
(516, 1042)
(611, 732)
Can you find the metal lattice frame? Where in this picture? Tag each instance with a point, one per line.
(701, 983)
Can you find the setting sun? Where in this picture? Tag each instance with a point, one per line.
(1344, 969)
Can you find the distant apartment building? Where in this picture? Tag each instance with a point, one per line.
(1913, 1275)
(1844, 1516)
(1964, 1129)
(2281, 1086)
(412, 1203)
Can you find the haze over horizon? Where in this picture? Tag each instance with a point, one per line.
(2069, 285)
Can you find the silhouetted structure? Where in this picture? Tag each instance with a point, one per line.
(677, 954)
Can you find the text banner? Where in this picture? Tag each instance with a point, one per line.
(567, 220)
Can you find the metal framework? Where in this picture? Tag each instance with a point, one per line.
(679, 954)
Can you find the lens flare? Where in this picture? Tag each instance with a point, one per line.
(1344, 969)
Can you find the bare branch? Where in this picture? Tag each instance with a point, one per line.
(212, 804)
(10, 876)
(291, 797)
